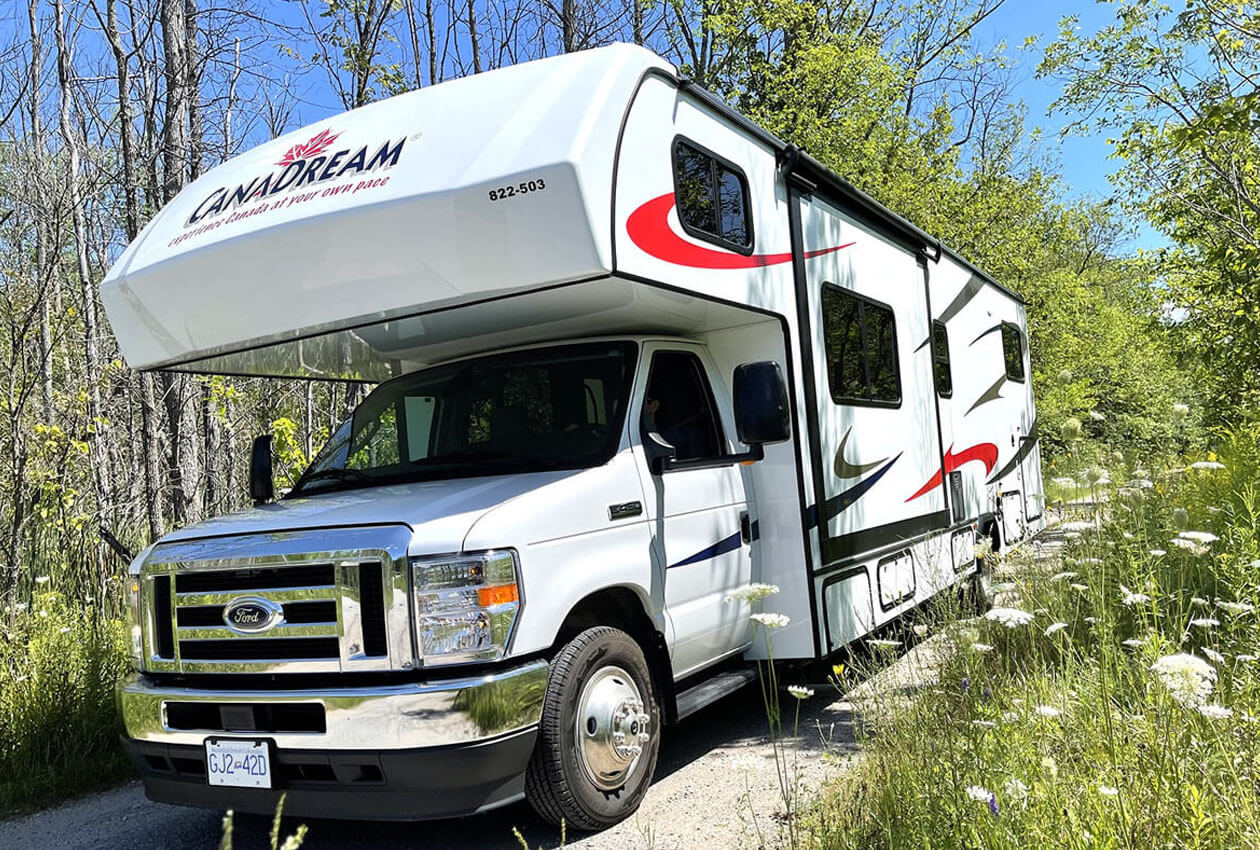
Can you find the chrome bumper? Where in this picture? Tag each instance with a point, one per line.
(393, 717)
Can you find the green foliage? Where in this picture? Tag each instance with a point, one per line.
(58, 725)
(1064, 732)
(1176, 91)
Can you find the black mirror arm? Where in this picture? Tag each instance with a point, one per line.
(669, 464)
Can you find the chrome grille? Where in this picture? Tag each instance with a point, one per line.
(339, 609)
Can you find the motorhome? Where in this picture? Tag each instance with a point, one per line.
(631, 354)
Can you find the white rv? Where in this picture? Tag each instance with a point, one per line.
(632, 353)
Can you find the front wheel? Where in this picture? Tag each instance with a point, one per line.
(599, 735)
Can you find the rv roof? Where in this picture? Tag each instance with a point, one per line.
(381, 211)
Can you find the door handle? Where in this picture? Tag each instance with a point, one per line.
(745, 527)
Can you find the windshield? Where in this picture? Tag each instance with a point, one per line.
(548, 408)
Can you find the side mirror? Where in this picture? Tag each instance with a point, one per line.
(762, 414)
(261, 487)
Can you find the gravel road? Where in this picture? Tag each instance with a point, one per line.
(716, 771)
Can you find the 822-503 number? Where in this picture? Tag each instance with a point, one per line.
(522, 188)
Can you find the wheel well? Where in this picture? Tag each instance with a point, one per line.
(621, 608)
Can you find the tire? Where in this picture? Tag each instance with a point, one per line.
(580, 773)
(980, 587)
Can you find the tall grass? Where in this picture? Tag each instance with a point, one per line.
(59, 727)
(1111, 700)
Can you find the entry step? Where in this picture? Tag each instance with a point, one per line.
(713, 689)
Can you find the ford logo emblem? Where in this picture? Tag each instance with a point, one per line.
(252, 614)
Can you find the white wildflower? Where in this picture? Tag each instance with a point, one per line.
(1097, 416)
(1190, 546)
(981, 647)
(1015, 789)
(1245, 658)
(984, 724)
(1215, 712)
(65, 630)
(1010, 716)
(1127, 535)
(1133, 643)
(1200, 601)
(1055, 627)
(1207, 464)
(1235, 607)
(1212, 655)
(1091, 620)
(1093, 562)
(1079, 588)
(1142, 483)
(1107, 791)
(1199, 536)
(800, 691)
(1063, 576)
(41, 579)
(1063, 481)
(752, 592)
(1009, 617)
(979, 793)
(1077, 525)
(920, 630)
(771, 621)
(884, 643)
(1128, 597)
(1158, 553)
(1047, 711)
(1181, 409)
(1187, 678)
(1205, 622)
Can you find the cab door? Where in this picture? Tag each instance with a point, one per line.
(698, 510)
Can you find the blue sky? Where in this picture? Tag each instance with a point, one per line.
(1085, 160)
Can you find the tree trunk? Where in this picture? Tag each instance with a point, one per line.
(472, 36)
(95, 424)
(414, 32)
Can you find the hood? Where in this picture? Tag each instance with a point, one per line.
(440, 513)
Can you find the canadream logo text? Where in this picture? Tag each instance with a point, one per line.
(306, 164)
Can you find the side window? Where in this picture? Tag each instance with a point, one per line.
(861, 342)
(940, 360)
(1013, 352)
(712, 198)
(678, 406)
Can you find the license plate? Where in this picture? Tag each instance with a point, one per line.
(242, 763)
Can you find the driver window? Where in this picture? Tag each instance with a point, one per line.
(678, 406)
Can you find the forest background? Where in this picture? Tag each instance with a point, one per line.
(108, 107)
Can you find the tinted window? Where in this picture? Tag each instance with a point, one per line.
(861, 341)
(940, 360)
(547, 408)
(712, 197)
(679, 406)
(1013, 352)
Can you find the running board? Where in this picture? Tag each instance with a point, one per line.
(713, 689)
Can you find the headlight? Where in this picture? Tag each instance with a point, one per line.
(135, 640)
(465, 605)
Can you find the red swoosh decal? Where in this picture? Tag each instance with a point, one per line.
(648, 228)
(986, 453)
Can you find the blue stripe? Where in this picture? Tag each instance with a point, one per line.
(834, 506)
(729, 544)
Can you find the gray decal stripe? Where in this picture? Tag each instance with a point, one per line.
(1029, 443)
(993, 393)
(844, 469)
(962, 298)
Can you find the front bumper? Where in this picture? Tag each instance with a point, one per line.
(421, 750)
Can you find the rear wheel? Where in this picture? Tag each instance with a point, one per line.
(599, 735)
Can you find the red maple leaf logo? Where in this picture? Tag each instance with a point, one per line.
(317, 144)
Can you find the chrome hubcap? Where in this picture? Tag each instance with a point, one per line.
(612, 727)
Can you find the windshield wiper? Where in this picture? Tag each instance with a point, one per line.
(486, 458)
(335, 474)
